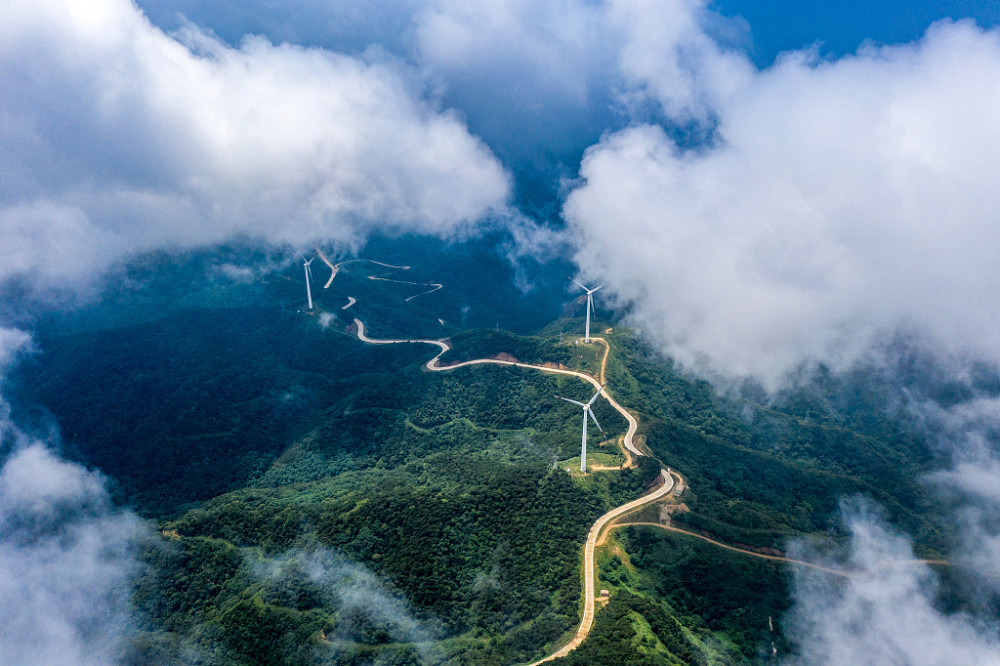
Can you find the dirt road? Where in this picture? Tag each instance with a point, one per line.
(781, 558)
(334, 268)
(434, 366)
(604, 361)
(589, 566)
(599, 530)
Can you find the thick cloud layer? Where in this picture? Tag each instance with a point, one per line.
(887, 615)
(558, 74)
(66, 554)
(538, 81)
(115, 137)
(971, 486)
(842, 201)
(65, 563)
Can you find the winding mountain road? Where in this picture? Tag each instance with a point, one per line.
(744, 551)
(604, 361)
(844, 573)
(335, 268)
(435, 366)
(589, 564)
(590, 567)
(600, 529)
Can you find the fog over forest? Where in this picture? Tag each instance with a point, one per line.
(757, 220)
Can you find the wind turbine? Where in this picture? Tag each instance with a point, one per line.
(586, 410)
(308, 275)
(590, 306)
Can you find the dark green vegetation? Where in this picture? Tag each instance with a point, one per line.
(635, 630)
(255, 435)
(469, 345)
(680, 601)
(480, 548)
(199, 403)
(712, 589)
(480, 289)
(761, 473)
(327, 501)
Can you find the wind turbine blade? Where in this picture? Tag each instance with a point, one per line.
(591, 401)
(573, 401)
(580, 285)
(595, 289)
(595, 420)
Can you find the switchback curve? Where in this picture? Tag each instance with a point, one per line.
(589, 564)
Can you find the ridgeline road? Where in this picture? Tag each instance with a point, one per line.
(604, 361)
(589, 566)
(334, 268)
(435, 366)
(845, 573)
(600, 529)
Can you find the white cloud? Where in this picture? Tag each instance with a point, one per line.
(844, 200)
(887, 616)
(356, 594)
(550, 46)
(65, 563)
(539, 81)
(346, 25)
(35, 485)
(970, 433)
(12, 342)
(555, 75)
(66, 554)
(115, 137)
(667, 55)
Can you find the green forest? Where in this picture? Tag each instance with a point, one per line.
(316, 500)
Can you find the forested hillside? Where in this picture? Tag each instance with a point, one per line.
(315, 499)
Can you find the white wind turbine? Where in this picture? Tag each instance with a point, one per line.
(590, 306)
(586, 410)
(308, 275)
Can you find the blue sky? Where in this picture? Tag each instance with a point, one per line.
(539, 134)
(776, 25)
(780, 25)
(820, 208)
(794, 182)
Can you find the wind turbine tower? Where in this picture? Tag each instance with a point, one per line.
(590, 306)
(586, 410)
(308, 270)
